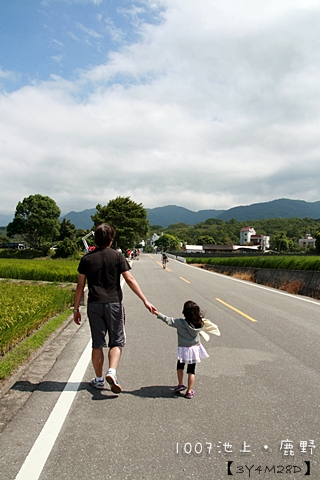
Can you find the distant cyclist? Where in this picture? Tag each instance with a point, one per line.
(165, 260)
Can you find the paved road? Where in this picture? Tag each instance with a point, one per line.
(257, 396)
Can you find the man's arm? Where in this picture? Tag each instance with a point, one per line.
(77, 298)
(133, 284)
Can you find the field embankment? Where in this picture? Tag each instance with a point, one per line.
(297, 275)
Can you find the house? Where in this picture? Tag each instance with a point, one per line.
(249, 235)
(152, 240)
(213, 248)
(245, 235)
(262, 241)
(307, 241)
(193, 249)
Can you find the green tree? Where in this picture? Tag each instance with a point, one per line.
(205, 239)
(3, 239)
(317, 237)
(167, 242)
(67, 230)
(67, 248)
(36, 219)
(127, 217)
(280, 242)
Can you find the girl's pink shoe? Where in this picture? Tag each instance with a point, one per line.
(190, 394)
(179, 388)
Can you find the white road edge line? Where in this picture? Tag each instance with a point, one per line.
(37, 457)
(39, 453)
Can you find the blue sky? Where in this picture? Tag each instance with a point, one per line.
(205, 104)
(40, 39)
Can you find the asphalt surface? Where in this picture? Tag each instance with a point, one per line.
(255, 413)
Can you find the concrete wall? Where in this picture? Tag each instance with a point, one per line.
(299, 282)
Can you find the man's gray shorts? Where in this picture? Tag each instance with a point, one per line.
(107, 318)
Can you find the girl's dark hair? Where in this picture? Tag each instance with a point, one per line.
(104, 235)
(193, 314)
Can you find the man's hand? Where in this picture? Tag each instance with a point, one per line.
(77, 317)
(150, 307)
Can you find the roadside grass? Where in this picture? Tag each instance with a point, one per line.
(21, 352)
(243, 276)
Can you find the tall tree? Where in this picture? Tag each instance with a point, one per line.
(67, 230)
(203, 239)
(317, 245)
(167, 242)
(127, 217)
(36, 219)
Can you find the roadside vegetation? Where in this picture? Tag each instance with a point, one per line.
(39, 270)
(284, 233)
(292, 262)
(22, 351)
(25, 308)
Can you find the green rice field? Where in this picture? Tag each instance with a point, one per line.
(39, 270)
(25, 307)
(277, 262)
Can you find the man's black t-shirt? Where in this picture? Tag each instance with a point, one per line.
(103, 268)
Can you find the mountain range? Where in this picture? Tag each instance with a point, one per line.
(170, 214)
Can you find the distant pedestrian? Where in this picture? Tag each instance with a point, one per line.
(190, 349)
(164, 259)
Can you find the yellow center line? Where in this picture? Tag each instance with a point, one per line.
(187, 281)
(148, 254)
(236, 310)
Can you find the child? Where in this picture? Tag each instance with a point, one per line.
(190, 349)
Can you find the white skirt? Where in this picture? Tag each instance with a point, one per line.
(192, 354)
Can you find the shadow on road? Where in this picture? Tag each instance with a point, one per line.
(154, 391)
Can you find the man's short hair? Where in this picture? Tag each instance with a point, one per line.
(104, 235)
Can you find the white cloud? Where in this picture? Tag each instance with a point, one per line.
(116, 34)
(5, 73)
(89, 31)
(216, 106)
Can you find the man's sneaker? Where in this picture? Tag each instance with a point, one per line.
(97, 383)
(113, 381)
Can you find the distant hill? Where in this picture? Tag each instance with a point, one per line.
(5, 219)
(282, 208)
(164, 216)
(81, 220)
(169, 214)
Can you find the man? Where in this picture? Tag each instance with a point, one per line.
(103, 268)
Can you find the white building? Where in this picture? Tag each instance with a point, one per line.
(307, 241)
(194, 249)
(262, 241)
(245, 235)
(154, 238)
(249, 235)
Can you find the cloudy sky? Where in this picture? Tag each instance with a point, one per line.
(202, 104)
